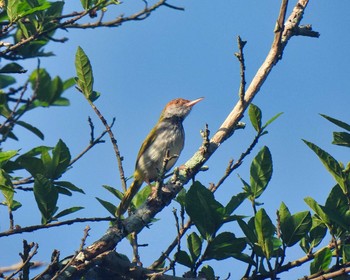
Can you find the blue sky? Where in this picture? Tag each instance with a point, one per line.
(140, 66)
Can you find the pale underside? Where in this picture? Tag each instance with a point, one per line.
(168, 136)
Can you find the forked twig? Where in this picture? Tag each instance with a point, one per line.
(114, 144)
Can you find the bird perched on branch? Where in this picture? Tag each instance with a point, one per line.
(165, 139)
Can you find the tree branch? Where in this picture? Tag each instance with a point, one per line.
(57, 224)
(114, 144)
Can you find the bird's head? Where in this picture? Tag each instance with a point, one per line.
(179, 108)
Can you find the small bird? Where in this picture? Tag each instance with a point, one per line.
(167, 136)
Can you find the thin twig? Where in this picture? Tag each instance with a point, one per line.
(177, 230)
(12, 222)
(27, 255)
(240, 57)
(53, 266)
(135, 249)
(114, 144)
(162, 172)
(92, 141)
(233, 166)
(7, 269)
(171, 247)
(81, 247)
(293, 264)
(11, 120)
(345, 270)
(57, 224)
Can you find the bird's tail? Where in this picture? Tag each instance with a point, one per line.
(128, 196)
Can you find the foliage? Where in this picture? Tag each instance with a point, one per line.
(219, 231)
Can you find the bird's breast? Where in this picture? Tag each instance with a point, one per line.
(169, 137)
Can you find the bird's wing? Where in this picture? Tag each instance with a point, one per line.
(147, 143)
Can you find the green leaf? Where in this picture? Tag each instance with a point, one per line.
(305, 245)
(69, 185)
(31, 128)
(321, 261)
(33, 165)
(336, 207)
(183, 258)
(318, 209)
(205, 212)
(12, 68)
(94, 96)
(223, 246)
(63, 191)
(337, 122)
(27, 10)
(36, 151)
(234, 202)
(260, 172)
(60, 159)
(194, 244)
(61, 102)
(5, 110)
(284, 213)
(55, 10)
(111, 208)
(41, 84)
(6, 188)
(6, 156)
(271, 120)
(23, 28)
(346, 253)
(46, 196)
(114, 191)
(248, 231)
(68, 83)
(68, 211)
(207, 272)
(254, 113)
(85, 78)
(15, 205)
(244, 258)
(48, 91)
(56, 90)
(341, 139)
(331, 164)
(181, 197)
(12, 8)
(48, 169)
(246, 187)
(86, 4)
(265, 231)
(6, 81)
(294, 227)
(141, 196)
(317, 232)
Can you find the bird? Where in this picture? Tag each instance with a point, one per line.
(167, 138)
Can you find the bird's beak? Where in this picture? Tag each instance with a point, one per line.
(193, 102)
